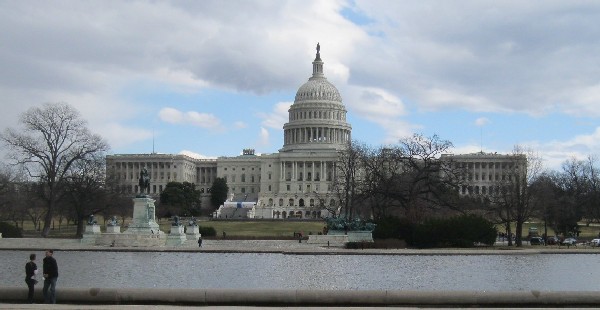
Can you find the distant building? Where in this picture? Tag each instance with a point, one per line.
(484, 173)
(296, 182)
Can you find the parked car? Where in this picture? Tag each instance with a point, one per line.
(553, 241)
(536, 241)
(570, 241)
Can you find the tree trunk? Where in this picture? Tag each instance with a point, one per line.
(80, 223)
(519, 233)
(508, 234)
(48, 220)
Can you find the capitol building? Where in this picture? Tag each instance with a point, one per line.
(296, 182)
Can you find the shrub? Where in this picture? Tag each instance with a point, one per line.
(207, 231)
(10, 231)
(459, 231)
(394, 228)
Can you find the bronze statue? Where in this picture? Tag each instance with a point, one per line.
(144, 181)
(318, 48)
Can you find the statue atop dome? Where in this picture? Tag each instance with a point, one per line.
(318, 48)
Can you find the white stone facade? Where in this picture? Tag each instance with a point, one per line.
(296, 182)
(483, 173)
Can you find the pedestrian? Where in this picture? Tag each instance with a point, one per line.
(30, 272)
(200, 241)
(50, 277)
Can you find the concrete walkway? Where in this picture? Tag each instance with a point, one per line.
(279, 246)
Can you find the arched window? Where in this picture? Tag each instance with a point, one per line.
(311, 202)
(291, 202)
(270, 202)
(281, 202)
(301, 202)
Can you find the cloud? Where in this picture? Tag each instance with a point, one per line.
(277, 118)
(482, 121)
(473, 57)
(240, 125)
(119, 136)
(202, 120)
(195, 155)
(263, 137)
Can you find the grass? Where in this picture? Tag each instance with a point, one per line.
(270, 229)
(275, 229)
(233, 229)
(587, 232)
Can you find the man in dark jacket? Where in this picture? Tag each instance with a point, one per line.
(50, 277)
(30, 271)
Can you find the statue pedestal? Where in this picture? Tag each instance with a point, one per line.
(143, 231)
(116, 229)
(92, 231)
(328, 240)
(192, 232)
(176, 237)
(144, 222)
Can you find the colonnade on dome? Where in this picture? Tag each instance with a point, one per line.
(316, 135)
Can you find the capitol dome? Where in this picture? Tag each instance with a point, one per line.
(317, 119)
(318, 89)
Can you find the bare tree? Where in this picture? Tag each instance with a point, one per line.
(512, 199)
(410, 177)
(347, 182)
(84, 188)
(52, 138)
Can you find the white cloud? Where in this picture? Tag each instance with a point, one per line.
(202, 120)
(412, 56)
(240, 125)
(263, 137)
(278, 117)
(195, 155)
(119, 136)
(482, 121)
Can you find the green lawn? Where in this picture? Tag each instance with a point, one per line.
(243, 229)
(587, 232)
(270, 229)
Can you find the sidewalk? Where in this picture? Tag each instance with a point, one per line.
(278, 246)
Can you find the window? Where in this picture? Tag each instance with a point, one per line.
(269, 188)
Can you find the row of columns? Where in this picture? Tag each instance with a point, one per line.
(325, 168)
(316, 134)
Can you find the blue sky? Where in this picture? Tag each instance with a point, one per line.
(210, 78)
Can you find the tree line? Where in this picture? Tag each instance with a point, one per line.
(56, 173)
(56, 170)
(411, 181)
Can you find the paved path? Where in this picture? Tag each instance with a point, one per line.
(278, 246)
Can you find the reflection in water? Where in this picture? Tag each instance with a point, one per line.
(550, 272)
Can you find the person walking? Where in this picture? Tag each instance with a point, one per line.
(30, 272)
(200, 241)
(50, 277)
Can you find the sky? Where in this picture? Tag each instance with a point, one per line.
(211, 78)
